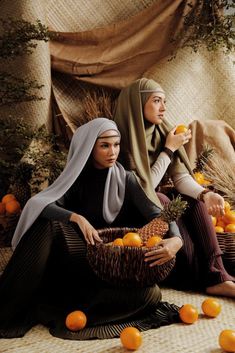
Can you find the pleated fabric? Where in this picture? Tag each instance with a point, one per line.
(48, 276)
(199, 262)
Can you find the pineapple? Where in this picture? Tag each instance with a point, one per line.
(159, 226)
(20, 186)
(203, 158)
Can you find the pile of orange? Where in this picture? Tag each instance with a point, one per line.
(225, 223)
(134, 239)
(9, 205)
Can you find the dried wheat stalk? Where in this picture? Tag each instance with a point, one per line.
(97, 104)
(222, 175)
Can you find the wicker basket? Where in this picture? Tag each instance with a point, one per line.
(227, 245)
(124, 266)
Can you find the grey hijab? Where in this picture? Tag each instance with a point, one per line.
(80, 149)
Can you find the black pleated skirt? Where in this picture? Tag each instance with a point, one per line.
(48, 276)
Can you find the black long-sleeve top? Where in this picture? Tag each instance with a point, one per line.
(85, 197)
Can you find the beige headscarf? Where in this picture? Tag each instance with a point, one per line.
(141, 140)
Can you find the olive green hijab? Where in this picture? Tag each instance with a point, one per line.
(141, 140)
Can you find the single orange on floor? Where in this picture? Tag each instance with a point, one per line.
(227, 340)
(132, 239)
(188, 313)
(118, 242)
(8, 197)
(211, 307)
(153, 241)
(2, 208)
(76, 320)
(13, 207)
(131, 338)
(181, 128)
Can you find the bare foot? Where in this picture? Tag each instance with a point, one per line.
(226, 289)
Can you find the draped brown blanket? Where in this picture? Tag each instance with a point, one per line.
(216, 133)
(117, 54)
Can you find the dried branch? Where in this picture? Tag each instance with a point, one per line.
(222, 175)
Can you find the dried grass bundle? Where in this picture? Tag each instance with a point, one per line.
(97, 103)
(222, 175)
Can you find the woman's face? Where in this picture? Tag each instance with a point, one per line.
(106, 149)
(155, 108)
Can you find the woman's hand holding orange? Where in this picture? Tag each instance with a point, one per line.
(166, 250)
(175, 141)
(90, 233)
(214, 203)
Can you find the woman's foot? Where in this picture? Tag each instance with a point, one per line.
(226, 289)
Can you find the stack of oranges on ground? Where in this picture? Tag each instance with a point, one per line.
(225, 223)
(134, 239)
(9, 205)
(211, 308)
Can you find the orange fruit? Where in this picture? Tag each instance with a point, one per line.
(230, 228)
(230, 216)
(131, 338)
(227, 340)
(181, 128)
(227, 206)
(118, 242)
(76, 320)
(13, 207)
(214, 220)
(8, 197)
(199, 177)
(153, 241)
(219, 229)
(2, 208)
(188, 313)
(211, 307)
(132, 239)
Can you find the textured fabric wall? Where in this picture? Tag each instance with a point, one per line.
(34, 67)
(199, 86)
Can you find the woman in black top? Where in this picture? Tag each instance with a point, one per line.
(48, 275)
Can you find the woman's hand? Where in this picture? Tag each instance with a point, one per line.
(214, 203)
(90, 233)
(174, 142)
(165, 251)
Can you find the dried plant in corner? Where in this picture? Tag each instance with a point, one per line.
(222, 175)
(209, 24)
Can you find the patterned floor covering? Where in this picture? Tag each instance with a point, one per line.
(200, 337)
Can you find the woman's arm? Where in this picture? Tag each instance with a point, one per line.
(185, 184)
(55, 211)
(159, 168)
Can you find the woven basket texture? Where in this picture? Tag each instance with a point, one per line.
(124, 265)
(227, 245)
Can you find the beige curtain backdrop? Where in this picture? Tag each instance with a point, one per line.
(198, 85)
